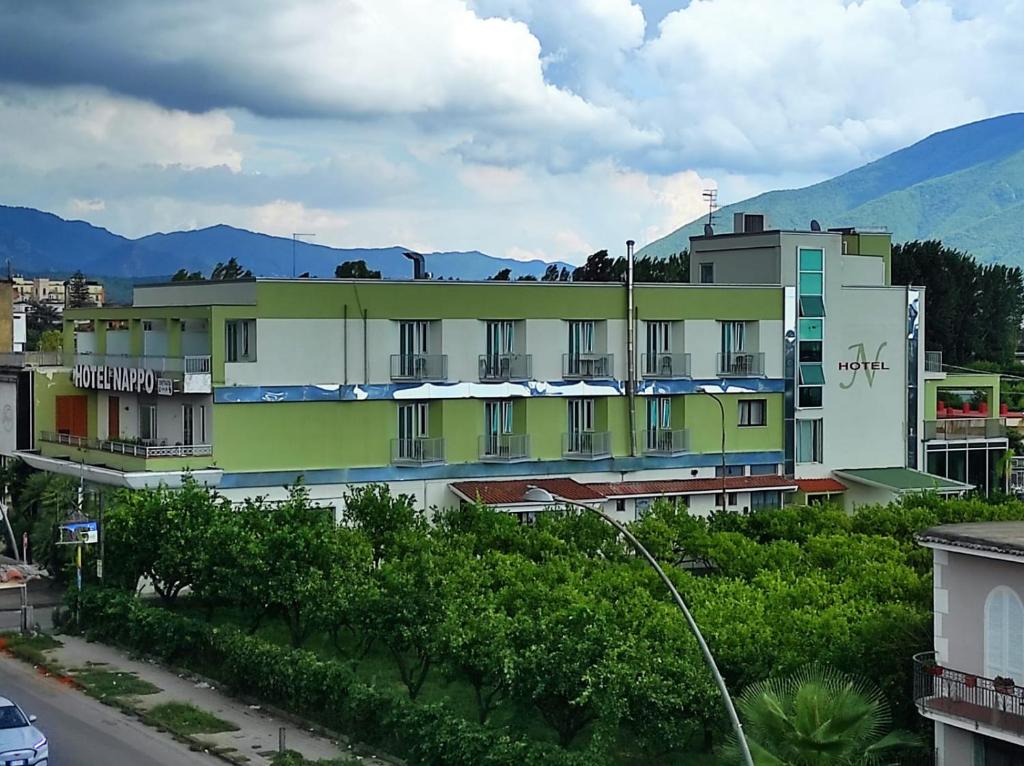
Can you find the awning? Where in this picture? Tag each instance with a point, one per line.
(903, 481)
(820, 486)
(131, 479)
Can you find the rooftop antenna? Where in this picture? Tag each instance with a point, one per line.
(295, 237)
(711, 197)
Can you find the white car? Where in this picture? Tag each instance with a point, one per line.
(21, 743)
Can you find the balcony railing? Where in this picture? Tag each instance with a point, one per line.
(132, 449)
(933, 361)
(960, 429)
(419, 367)
(586, 445)
(32, 359)
(665, 366)
(417, 450)
(505, 367)
(587, 366)
(191, 365)
(504, 448)
(741, 364)
(665, 441)
(997, 703)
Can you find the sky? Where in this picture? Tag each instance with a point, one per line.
(523, 128)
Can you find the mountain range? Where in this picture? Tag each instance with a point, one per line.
(964, 186)
(38, 243)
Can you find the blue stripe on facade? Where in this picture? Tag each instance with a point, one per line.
(478, 470)
(422, 391)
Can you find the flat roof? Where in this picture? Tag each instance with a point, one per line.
(899, 479)
(1006, 537)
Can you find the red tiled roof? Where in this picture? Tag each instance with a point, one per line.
(692, 486)
(511, 492)
(813, 486)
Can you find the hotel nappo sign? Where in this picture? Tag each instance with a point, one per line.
(126, 379)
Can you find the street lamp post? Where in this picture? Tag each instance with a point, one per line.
(539, 495)
(295, 239)
(721, 407)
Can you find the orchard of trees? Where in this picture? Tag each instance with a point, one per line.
(553, 634)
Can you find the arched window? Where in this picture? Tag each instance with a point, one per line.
(1004, 635)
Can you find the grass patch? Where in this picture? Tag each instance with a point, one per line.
(103, 684)
(30, 648)
(185, 719)
(291, 758)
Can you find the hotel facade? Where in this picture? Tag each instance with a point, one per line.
(792, 347)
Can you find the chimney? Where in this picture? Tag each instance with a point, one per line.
(419, 268)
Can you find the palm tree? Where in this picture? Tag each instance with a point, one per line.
(818, 717)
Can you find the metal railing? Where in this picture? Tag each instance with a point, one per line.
(957, 429)
(588, 366)
(665, 365)
(664, 441)
(197, 365)
(499, 367)
(586, 445)
(423, 367)
(940, 691)
(504, 448)
(417, 450)
(188, 364)
(132, 449)
(933, 361)
(741, 364)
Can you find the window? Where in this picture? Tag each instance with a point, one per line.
(766, 499)
(812, 375)
(500, 337)
(659, 346)
(810, 351)
(812, 306)
(193, 424)
(734, 337)
(620, 505)
(810, 397)
(413, 422)
(581, 337)
(581, 416)
(1004, 634)
(732, 497)
(707, 273)
(768, 469)
(809, 441)
(240, 342)
(752, 412)
(730, 470)
(498, 418)
(810, 329)
(147, 422)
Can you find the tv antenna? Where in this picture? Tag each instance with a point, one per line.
(295, 238)
(711, 197)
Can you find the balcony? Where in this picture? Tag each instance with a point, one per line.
(586, 445)
(587, 366)
(417, 451)
(419, 367)
(22, 359)
(740, 364)
(504, 448)
(933, 361)
(498, 368)
(665, 366)
(942, 693)
(963, 429)
(131, 449)
(665, 442)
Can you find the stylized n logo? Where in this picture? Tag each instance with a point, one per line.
(863, 363)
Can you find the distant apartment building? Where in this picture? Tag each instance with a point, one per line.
(52, 291)
(972, 684)
(794, 345)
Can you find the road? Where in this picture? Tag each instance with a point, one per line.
(84, 732)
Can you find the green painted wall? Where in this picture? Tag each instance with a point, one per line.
(47, 388)
(872, 244)
(546, 421)
(704, 420)
(463, 423)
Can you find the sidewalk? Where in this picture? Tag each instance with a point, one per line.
(256, 739)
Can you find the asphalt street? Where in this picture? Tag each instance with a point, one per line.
(84, 732)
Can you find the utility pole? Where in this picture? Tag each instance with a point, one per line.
(295, 238)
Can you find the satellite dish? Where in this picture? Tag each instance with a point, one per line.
(709, 230)
(815, 226)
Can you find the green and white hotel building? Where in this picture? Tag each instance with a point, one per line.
(452, 391)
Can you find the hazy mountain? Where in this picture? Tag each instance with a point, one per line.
(964, 186)
(40, 243)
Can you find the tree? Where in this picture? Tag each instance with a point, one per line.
(818, 717)
(51, 340)
(229, 270)
(77, 291)
(39, 318)
(355, 270)
(503, 275)
(184, 275)
(386, 521)
(550, 273)
(601, 267)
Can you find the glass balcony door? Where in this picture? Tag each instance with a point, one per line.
(413, 426)
(500, 347)
(659, 422)
(413, 345)
(497, 427)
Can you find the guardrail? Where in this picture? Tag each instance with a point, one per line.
(740, 364)
(663, 441)
(945, 692)
(33, 359)
(191, 365)
(505, 367)
(416, 451)
(419, 367)
(586, 445)
(588, 366)
(957, 429)
(665, 366)
(504, 448)
(132, 449)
